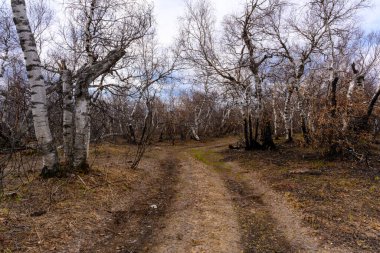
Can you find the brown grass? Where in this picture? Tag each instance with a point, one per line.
(340, 199)
(66, 214)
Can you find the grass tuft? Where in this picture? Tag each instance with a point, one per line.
(210, 158)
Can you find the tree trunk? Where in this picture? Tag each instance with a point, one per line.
(259, 113)
(132, 134)
(252, 143)
(246, 134)
(288, 116)
(194, 133)
(305, 130)
(82, 127)
(257, 125)
(250, 131)
(268, 140)
(304, 119)
(68, 107)
(88, 74)
(275, 126)
(195, 128)
(334, 81)
(38, 89)
(371, 106)
(357, 82)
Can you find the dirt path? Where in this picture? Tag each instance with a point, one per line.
(194, 201)
(221, 207)
(202, 217)
(268, 223)
(287, 220)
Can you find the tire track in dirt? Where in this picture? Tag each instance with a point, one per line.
(202, 217)
(259, 228)
(268, 223)
(132, 227)
(286, 220)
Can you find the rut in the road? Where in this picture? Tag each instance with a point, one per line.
(287, 221)
(202, 217)
(268, 223)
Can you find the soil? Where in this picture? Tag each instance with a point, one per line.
(141, 217)
(202, 218)
(194, 197)
(268, 222)
(337, 202)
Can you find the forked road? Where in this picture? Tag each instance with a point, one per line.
(203, 218)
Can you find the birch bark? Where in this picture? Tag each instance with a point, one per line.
(82, 124)
(68, 107)
(287, 115)
(357, 82)
(82, 104)
(38, 89)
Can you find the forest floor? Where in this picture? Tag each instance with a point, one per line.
(195, 197)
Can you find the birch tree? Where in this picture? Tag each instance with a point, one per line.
(304, 36)
(98, 36)
(225, 58)
(366, 71)
(37, 87)
(250, 28)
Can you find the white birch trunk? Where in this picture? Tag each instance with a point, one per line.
(195, 127)
(82, 104)
(37, 86)
(194, 132)
(274, 117)
(207, 120)
(287, 115)
(82, 127)
(350, 91)
(258, 87)
(88, 132)
(68, 107)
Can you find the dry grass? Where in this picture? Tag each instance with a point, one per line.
(62, 215)
(340, 199)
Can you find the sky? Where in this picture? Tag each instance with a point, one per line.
(168, 11)
(371, 17)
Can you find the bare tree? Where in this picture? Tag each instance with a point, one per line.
(313, 29)
(110, 29)
(38, 88)
(202, 51)
(367, 55)
(154, 68)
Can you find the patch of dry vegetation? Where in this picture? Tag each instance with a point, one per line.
(340, 199)
(67, 214)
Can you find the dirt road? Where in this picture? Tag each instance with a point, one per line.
(186, 198)
(220, 207)
(202, 217)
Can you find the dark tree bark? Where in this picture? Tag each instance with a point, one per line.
(268, 140)
(132, 134)
(305, 131)
(250, 127)
(371, 106)
(246, 134)
(333, 96)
